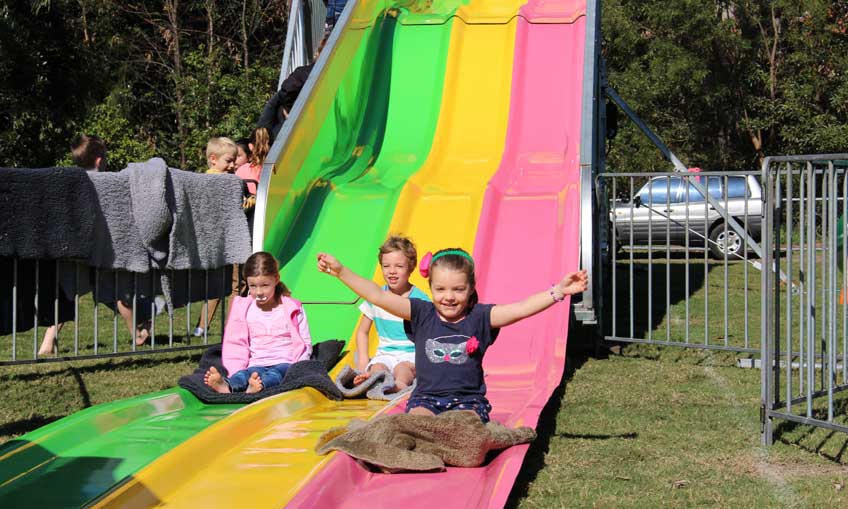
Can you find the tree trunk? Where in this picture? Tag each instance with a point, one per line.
(210, 56)
(244, 33)
(172, 13)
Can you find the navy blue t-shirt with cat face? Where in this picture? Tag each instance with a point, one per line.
(443, 365)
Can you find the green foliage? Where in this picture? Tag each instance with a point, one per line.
(143, 81)
(126, 143)
(725, 83)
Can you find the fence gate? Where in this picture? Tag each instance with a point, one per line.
(684, 259)
(804, 318)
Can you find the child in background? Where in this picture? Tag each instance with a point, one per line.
(259, 145)
(89, 153)
(453, 332)
(395, 352)
(265, 333)
(243, 146)
(221, 153)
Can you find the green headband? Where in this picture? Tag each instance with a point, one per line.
(452, 252)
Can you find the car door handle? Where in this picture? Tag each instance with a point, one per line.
(668, 211)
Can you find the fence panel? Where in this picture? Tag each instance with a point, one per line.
(683, 259)
(61, 310)
(805, 340)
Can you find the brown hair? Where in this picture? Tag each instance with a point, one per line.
(85, 149)
(459, 262)
(262, 263)
(261, 141)
(402, 244)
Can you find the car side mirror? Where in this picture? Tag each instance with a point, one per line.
(637, 201)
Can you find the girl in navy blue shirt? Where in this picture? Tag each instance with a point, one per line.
(453, 332)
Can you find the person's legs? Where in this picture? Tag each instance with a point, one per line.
(206, 316)
(48, 343)
(479, 404)
(404, 374)
(216, 381)
(424, 405)
(238, 381)
(272, 376)
(373, 369)
(141, 334)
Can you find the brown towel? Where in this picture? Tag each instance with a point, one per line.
(420, 443)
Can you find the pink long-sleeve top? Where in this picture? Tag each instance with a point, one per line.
(254, 337)
(249, 171)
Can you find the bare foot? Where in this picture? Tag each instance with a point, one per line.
(254, 384)
(141, 337)
(358, 379)
(213, 379)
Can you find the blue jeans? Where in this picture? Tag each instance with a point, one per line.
(271, 376)
(334, 10)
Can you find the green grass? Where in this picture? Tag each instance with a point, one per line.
(109, 322)
(35, 395)
(673, 430)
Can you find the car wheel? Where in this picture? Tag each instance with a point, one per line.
(729, 241)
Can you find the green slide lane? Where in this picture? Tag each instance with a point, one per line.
(66, 463)
(395, 86)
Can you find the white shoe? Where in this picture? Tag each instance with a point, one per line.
(198, 331)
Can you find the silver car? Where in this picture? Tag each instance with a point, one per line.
(659, 212)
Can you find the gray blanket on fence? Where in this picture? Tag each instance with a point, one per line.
(210, 228)
(130, 216)
(46, 213)
(152, 216)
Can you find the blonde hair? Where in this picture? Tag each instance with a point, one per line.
(219, 146)
(402, 244)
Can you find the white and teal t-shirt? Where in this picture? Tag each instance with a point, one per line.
(393, 339)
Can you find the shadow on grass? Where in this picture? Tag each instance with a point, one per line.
(22, 426)
(112, 364)
(826, 443)
(581, 347)
(656, 287)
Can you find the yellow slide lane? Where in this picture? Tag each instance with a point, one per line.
(440, 205)
(261, 455)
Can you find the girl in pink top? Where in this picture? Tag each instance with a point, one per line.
(260, 145)
(265, 334)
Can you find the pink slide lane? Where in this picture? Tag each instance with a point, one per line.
(527, 239)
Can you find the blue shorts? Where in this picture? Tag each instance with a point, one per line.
(437, 405)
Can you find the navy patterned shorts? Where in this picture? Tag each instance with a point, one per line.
(438, 405)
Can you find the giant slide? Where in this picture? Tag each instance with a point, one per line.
(454, 122)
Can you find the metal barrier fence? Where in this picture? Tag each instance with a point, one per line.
(97, 313)
(805, 322)
(683, 252)
(303, 34)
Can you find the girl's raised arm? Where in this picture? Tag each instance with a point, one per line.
(506, 314)
(365, 288)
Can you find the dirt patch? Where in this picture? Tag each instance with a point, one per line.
(753, 464)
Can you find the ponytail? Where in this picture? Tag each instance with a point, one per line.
(261, 141)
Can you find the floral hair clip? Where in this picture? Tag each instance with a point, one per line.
(424, 266)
